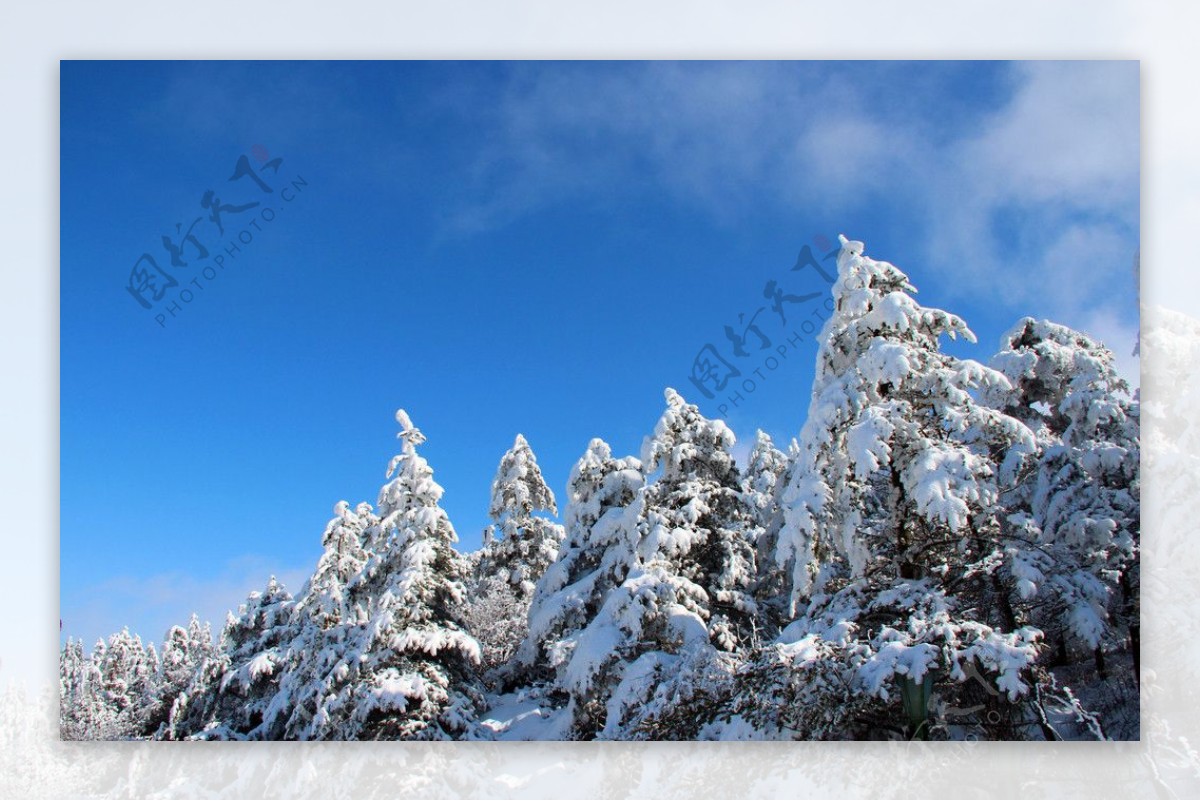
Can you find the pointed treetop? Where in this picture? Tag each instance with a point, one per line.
(599, 448)
(411, 435)
(518, 486)
(680, 430)
(855, 247)
(1070, 374)
(764, 456)
(596, 462)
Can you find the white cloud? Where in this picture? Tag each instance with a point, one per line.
(1080, 265)
(1118, 336)
(1041, 202)
(149, 606)
(708, 133)
(852, 157)
(1029, 206)
(1070, 133)
(1035, 201)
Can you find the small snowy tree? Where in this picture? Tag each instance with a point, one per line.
(666, 601)
(82, 712)
(691, 596)
(326, 600)
(518, 547)
(126, 688)
(186, 651)
(699, 520)
(234, 682)
(521, 544)
(764, 470)
(418, 679)
(327, 612)
(324, 616)
(767, 474)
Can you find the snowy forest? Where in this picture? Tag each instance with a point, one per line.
(947, 550)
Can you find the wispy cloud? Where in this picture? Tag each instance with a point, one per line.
(1042, 200)
(707, 134)
(167, 599)
(1032, 201)
(1021, 179)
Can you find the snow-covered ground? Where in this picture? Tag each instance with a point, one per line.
(523, 715)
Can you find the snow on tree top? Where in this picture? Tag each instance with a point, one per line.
(518, 486)
(665, 449)
(853, 245)
(411, 435)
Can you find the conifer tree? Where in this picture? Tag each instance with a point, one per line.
(764, 470)
(891, 513)
(405, 670)
(698, 519)
(82, 713)
(326, 599)
(186, 651)
(670, 588)
(767, 473)
(323, 619)
(603, 518)
(518, 547)
(522, 544)
(1074, 509)
(236, 680)
(126, 685)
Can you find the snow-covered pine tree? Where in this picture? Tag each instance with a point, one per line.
(82, 714)
(518, 547)
(326, 600)
(1074, 510)
(324, 617)
(699, 520)
(522, 543)
(235, 682)
(407, 671)
(186, 651)
(418, 680)
(689, 601)
(764, 469)
(603, 516)
(890, 510)
(71, 688)
(127, 690)
(767, 473)
(103, 717)
(655, 581)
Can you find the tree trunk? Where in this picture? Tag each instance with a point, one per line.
(907, 569)
(1135, 628)
(1002, 601)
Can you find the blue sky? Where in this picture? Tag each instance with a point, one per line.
(511, 247)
